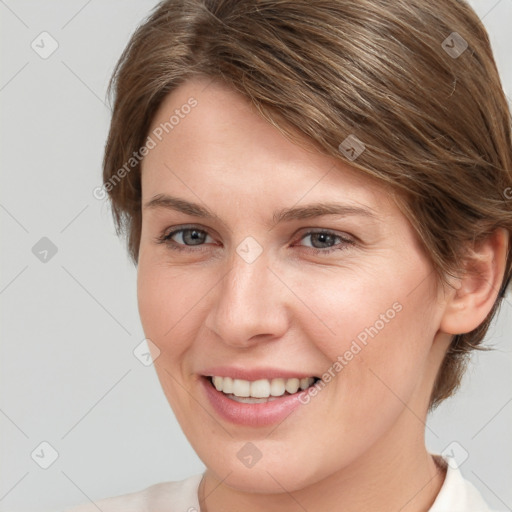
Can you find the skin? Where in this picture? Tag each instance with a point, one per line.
(359, 444)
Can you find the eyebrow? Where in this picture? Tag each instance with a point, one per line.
(283, 215)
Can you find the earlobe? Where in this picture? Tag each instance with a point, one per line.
(474, 294)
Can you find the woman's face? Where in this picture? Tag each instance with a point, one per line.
(265, 284)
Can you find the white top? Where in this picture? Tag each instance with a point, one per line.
(456, 495)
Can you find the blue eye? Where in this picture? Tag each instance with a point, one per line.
(189, 237)
(325, 241)
(185, 238)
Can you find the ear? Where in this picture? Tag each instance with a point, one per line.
(475, 293)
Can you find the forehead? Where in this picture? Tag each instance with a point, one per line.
(222, 143)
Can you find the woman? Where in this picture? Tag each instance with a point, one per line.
(314, 193)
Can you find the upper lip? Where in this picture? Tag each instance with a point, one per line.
(252, 374)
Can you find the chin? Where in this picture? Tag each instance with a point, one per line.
(276, 471)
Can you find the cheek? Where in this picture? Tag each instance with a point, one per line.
(348, 310)
(377, 336)
(166, 297)
(165, 305)
(151, 297)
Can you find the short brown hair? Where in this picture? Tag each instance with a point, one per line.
(414, 80)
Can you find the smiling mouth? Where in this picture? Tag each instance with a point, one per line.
(262, 390)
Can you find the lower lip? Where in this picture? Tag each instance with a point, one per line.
(256, 415)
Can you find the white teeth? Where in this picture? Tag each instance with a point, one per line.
(227, 385)
(277, 387)
(241, 387)
(251, 400)
(292, 385)
(262, 388)
(217, 382)
(305, 383)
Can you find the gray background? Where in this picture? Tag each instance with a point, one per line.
(70, 324)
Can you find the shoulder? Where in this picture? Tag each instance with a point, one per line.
(457, 494)
(171, 496)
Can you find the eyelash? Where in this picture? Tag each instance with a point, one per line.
(165, 239)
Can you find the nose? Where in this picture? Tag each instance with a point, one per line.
(249, 304)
